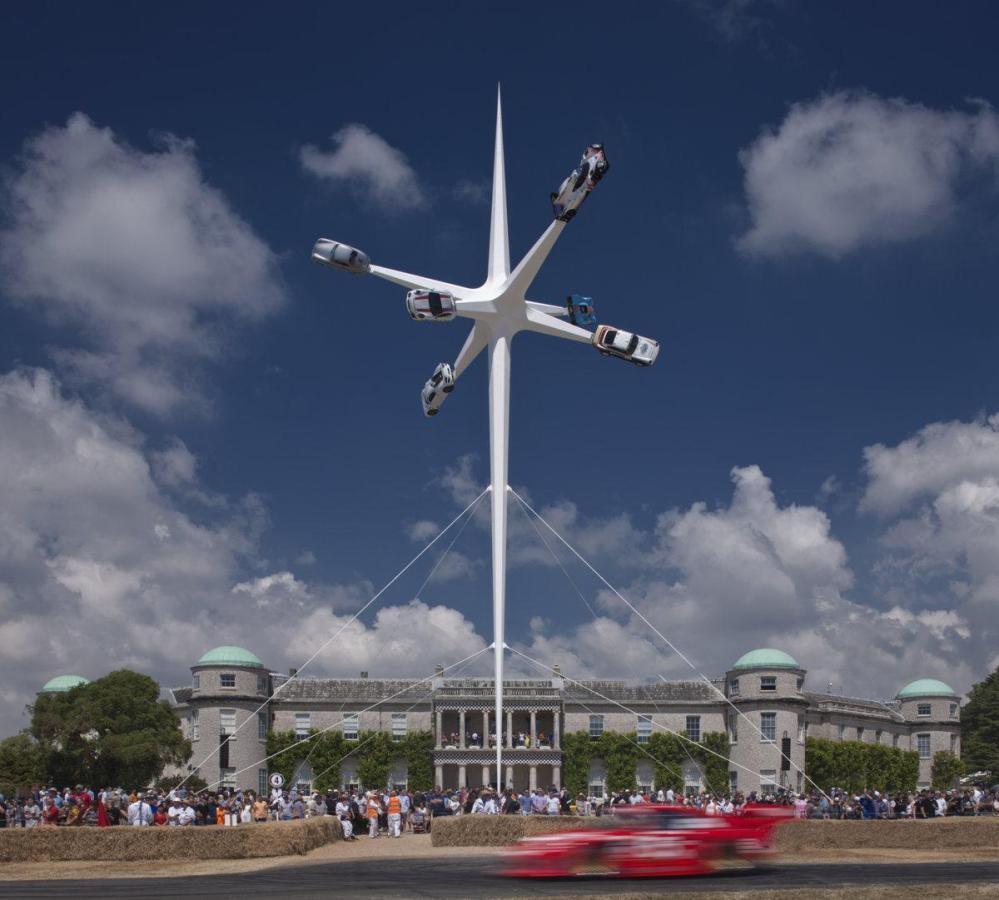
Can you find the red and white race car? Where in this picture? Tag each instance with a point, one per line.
(650, 840)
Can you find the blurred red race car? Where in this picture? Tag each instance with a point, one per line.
(650, 840)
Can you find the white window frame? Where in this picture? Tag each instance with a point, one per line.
(693, 734)
(262, 783)
(196, 681)
(924, 710)
(399, 733)
(227, 714)
(733, 780)
(733, 728)
(953, 744)
(262, 726)
(644, 729)
(860, 732)
(768, 684)
(929, 745)
(195, 726)
(261, 684)
(351, 726)
(227, 777)
(763, 730)
(768, 781)
(303, 724)
(733, 687)
(596, 726)
(222, 680)
(802, 729)
(953, 710)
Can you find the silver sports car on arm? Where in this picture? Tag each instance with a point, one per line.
(576, 188)
(611, 341)
(340, 256)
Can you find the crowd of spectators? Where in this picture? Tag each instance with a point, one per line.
(396, 812)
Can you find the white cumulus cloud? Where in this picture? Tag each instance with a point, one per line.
(851, 169)
(366, 162)
(137, 252)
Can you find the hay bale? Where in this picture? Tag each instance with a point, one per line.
(973, 833)
(124, 843)
(495, 831)
(792, 837)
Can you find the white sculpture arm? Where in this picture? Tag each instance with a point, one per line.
(416, 281)
(545, 324)
(475, 343)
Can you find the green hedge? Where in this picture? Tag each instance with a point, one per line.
(856, 766)
(621, 754)
(373, 750)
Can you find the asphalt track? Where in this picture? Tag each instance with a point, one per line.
(474, 877)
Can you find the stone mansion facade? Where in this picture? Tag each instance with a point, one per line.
(230, 684)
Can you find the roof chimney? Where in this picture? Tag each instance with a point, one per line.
(439, 671)
(292, 673)
(557, 670)
(364, 674)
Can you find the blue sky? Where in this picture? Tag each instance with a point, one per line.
(207, 439)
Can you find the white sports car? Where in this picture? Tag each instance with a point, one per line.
(611, 341)
(432, 306)
(576, 188)
(435, 391)
(340, 256)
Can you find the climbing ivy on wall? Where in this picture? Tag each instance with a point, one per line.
(857, 766)
(621, 753)
(374, 752)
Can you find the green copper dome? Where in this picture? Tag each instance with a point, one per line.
(230, 656)
(766, 658)
(927, 687)
(64, 683)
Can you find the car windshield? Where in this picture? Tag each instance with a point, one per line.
(435, 303)
(633, 343)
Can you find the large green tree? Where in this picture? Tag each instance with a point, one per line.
(857, 766)
(946, 771)
(980, 726)
(113, 731)
(21, 763)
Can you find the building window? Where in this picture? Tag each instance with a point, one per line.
(596, 789)
(262, 782)
(694, 728)
(733, 728)
(860, 733)
(923, 709)
(733, 780)
(801, 729)
(262, 726)
(195, 726)
(733, 688)
(197, 681)
(894, 740)
(801, 682)
(398, 726)
(877, 736)
(841, 732)
(227, 721)
(768, 682)
(953, 744)
(227, 680)
(768, 726)
(596, 727)
(923, 745)
(303, 722)
(953, 710)
(350, 726)
(228, 776)
(644, 729)
(261, 684)
(768, 781)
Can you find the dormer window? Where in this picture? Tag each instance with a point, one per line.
(227, 680)
(923, 709)
(733, 687)
(197, 681)
(768, 682)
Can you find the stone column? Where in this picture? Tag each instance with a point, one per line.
(461, 730)
(461, 777)
(557, 777)
(533, 782)
(509, 776)
(534, 729)
(439, 776)
(556, 731)
(485, 729)
(509, 729)
(485, 775)
(440, 729)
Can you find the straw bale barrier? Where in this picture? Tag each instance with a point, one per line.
(126, 844)
(793, 837)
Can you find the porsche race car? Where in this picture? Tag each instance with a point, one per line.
(577, 186)
(651, 841)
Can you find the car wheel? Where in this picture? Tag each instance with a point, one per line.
(432, 412)
(568, 215)
(448, 388)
